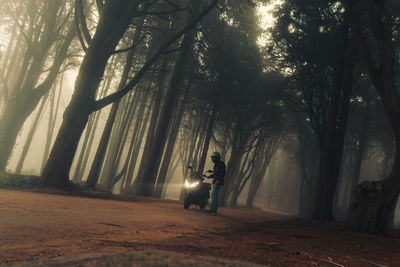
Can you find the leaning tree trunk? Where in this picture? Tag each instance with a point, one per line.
(113, 22)
(112, 25)
(90, 132)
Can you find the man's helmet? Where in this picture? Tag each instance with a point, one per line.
(215, 156)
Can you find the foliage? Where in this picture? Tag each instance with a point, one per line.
(8, 180)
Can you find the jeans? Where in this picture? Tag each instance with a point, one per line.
(214, 197)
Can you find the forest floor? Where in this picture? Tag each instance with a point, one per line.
(46, 224)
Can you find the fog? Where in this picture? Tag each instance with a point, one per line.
(299, 120)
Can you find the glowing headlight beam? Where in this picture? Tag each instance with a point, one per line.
(191, 185)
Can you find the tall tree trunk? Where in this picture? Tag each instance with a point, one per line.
(308, 161)
(105, 137)
(126, 185)
(210, 128)
(171, 171)
(113, 23)
(135, 135)
(170, 146)
(54, 107)
(155, 114)
(333, 139)
(147, 175)
(374, 202)
(231, 174)
(263, 161)
(362, 145)
(32, 131)
(119, 134)
(88, 138)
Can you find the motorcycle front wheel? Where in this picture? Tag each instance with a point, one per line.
(203, 204)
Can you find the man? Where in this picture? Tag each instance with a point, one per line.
(218, 174)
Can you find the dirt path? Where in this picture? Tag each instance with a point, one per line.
(37, 225)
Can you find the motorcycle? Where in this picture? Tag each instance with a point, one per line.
(197, 189)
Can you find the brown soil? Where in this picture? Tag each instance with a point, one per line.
(41, 225)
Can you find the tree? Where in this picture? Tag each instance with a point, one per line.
(322, 82)
(115, 17)
(101, 150)
(148, 172)
(375, 34)
(47, 36)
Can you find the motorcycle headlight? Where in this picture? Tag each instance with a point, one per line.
(195, 184)
(187, 184)
(191, 185)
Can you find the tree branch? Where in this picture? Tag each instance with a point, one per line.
(99, 104)
(136, 44)
(79, 12)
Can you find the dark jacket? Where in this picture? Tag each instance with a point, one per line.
(219, 172)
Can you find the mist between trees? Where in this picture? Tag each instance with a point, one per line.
(121, 96)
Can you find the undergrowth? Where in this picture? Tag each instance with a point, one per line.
(8, 180)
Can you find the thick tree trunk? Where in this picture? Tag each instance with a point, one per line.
(362, 145)
(331, 155)
(113, 22)
(333, 139)
(90, 132)
(231, 174)
(374, 202)
(85, 149)
(112, 25)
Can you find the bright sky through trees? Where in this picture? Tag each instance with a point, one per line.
(265, 11)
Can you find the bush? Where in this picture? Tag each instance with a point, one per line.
(8, 180)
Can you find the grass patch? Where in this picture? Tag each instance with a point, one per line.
(8, 180)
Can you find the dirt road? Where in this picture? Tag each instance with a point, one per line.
(38, 225)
